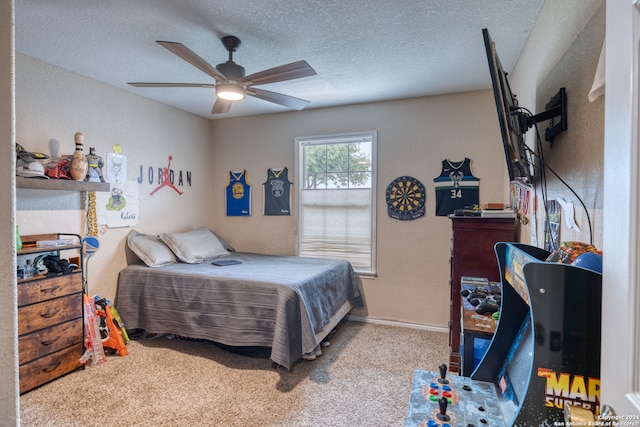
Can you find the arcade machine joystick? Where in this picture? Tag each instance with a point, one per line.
(443, 374)
(442, 404)
(459, 402)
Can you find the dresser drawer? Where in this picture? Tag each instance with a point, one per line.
(35, 291)
(47, 368)
(49, 313)
(45, 341)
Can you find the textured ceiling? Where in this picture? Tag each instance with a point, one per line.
(362, 50)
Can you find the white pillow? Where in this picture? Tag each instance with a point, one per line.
(195, 246)
(150, 249)
(224, 243)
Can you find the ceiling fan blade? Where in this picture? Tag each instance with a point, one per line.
(295, 70)
(278, 98)
(192, 58)
(221, 106)
(143, 84)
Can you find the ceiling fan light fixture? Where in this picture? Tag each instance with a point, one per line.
(230, 92)
(231, 83)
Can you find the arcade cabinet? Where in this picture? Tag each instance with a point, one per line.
(545, 352)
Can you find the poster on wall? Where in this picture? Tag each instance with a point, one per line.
(116, 165)
(238, 194)
(120, 206)
(277, 192)
(552, 226)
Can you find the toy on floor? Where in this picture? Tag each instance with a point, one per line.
(118, 322)
(93, 343)
(110, 330)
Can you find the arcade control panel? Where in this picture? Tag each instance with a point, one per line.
(441, 401)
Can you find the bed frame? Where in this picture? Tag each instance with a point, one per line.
(289, 304)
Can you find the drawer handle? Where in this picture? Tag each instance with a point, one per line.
(50, 313)
(52, 367)
(52, 289)
(49, 342)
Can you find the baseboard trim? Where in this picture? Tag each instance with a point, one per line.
(432, 328)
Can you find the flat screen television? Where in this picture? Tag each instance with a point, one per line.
(522, 162)
(513, 125)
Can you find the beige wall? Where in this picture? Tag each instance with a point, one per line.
(414, 136)
(562, 50)
(577, 155)
(53, 103)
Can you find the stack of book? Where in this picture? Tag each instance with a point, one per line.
(498, 213)
(497, 210)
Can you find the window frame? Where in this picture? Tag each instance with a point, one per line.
(340, 138)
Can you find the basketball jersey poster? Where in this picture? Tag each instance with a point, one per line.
(456, 187)
(238, 194)
(277, 192)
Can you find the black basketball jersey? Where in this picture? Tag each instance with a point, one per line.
(277, 192)
(456, 187)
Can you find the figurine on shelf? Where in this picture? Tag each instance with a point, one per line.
(94, 171)
(78, 165)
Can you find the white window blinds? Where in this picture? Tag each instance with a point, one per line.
(336, 198)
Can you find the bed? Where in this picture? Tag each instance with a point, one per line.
(286, 303)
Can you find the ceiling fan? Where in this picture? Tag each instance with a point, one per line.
(231, 83)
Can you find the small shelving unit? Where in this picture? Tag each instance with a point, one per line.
(50, 311)
(50, 316)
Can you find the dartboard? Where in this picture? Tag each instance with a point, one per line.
(405, 198)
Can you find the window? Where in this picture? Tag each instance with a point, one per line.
(336, 198)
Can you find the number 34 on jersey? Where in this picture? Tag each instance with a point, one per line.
(456, 187)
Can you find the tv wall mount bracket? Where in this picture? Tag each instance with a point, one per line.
(556, 107)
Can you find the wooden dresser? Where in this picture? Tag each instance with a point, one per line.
(472, 254)
(50, 321)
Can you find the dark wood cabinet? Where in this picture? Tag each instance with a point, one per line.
(50, 317)
(473, 254)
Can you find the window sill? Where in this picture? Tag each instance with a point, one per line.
(366, 275)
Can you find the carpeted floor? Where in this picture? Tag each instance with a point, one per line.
(362, 379)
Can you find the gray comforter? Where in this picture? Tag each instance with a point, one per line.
(269, 301)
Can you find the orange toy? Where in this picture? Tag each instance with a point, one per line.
(109, 329)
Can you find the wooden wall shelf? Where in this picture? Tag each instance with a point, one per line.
(60, 184)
